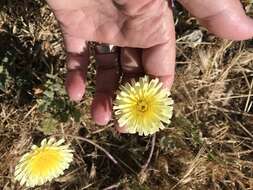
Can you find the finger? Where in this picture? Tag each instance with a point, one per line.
(131, 67)
(106, 84)
(119, 129)
(77, 63)
(65, 4)
(159, 61)
(130, 59)
(225, 18)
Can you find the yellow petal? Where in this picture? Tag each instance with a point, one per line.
(143, 106)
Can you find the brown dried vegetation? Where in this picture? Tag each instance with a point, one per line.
(209, 144)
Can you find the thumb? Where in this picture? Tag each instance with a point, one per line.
(225, 18)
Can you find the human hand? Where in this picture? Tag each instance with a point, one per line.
(145, 30)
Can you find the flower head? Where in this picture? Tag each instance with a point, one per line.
(43, 163)
(143, 106)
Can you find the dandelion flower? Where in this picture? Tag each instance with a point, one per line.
(43, 163)
(143, 107)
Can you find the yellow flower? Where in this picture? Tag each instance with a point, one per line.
(143, 106)
(43, 163)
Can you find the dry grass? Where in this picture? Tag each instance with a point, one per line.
(209, 144)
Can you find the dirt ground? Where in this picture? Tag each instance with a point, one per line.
(209, 144)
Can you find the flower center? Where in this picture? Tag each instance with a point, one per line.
(44, 161)
(142, 106)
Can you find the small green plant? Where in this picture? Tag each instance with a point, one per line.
(55, 101)
(191, 130)
(49, 125)
(5, 78)
(196, 136)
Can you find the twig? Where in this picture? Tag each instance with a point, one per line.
(248, 104)
(191, 168)
(115, 186)
(87, 186)
(145, 166)
(245, 130)
(245, 152)
(102, 129)
(126, 165)
(30, 111)
(226, 98)
(94, 144)
(232, 111)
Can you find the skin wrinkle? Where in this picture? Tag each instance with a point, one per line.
(164, 33)
(225, 13)
(150, 6)
(152, 38)
(213, 10)
(141, 22)
(113, 19)
(203, 5)
(137, 9)
(136, 19)
(73, 23)
(116, 26)
(222, 18)
(150, 56)
(225, 18)
(118, 5)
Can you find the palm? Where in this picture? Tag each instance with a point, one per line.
(102, 21)
(146, 24)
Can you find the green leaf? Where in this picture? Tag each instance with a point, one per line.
(1, 69)
(76, 114)
(48, 126)
(49, 94)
